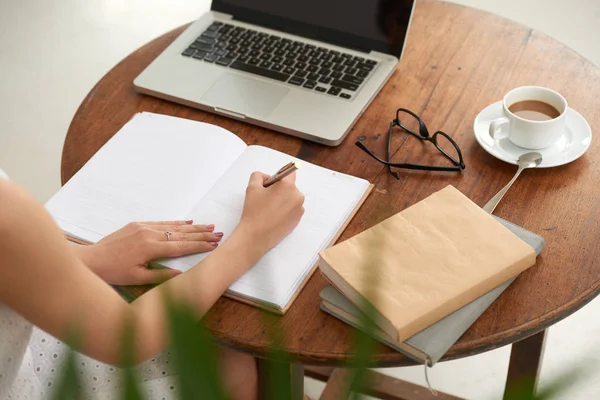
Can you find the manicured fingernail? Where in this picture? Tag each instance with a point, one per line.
(218, 234)
(189, 221)
(214, 244)
(211, 226)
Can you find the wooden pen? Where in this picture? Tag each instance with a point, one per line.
(282, 173)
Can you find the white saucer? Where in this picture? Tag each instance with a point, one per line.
(569, 147)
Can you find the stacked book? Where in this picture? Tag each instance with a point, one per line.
(426, 274)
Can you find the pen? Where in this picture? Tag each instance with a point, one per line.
(282, 173)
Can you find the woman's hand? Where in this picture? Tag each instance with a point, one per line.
(122, 257)
(270, 214)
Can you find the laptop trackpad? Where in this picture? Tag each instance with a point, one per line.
(247, 96)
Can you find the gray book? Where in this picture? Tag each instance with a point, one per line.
(428, 346)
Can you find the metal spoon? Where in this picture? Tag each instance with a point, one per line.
(527, 160)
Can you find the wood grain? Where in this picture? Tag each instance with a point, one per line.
(457, 61)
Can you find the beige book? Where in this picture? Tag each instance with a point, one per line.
(425, 262)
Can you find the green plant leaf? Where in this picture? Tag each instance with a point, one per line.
(194, 355)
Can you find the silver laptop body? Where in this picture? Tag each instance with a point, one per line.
(306, 70)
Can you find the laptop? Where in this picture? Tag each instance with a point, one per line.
(307, 68)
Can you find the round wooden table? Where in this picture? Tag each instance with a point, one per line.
(457, 61)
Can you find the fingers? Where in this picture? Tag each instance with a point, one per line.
(182, 248)
(144, 276)
(257, 178)
(192, 237)
(183, 228)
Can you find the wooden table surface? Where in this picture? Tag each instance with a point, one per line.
(457, 61)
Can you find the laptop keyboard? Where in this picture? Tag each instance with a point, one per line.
(270, 56)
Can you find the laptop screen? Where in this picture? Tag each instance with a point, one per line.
(365, 25)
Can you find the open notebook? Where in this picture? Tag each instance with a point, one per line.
(165, 168)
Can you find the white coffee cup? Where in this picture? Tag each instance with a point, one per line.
(528, 133)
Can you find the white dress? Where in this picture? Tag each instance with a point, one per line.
(30, 364)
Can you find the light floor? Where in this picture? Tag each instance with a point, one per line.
(52, 52)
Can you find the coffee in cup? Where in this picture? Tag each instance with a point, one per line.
(534, 117)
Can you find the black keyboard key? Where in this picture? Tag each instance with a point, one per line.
(235, 41)
(320, 89)
(327, 64)
(313, 77)
(353, 79)
(362, 73)
(188, 52)
(324, 79)
(335, 53)
(371, 62)
(253, 61)
(312, 68)
(334, 91)
(345, 85)
(310, 84)
(303, 58)
(269, 49)
(267, 73)
(345, 96)
(246, 43)
(300, 65)
(202, 46)
(210, 34)
(277, 67)
(346, 56)
(243, 58)
(221, 44)
(199, 54)
(289, 70)
(327, 57)
(257, 46)
(313, 53)
(289, 62)
(364, 66)
(301, 73)
(290, 55)
(224, 61)
(324, 71)
(359, 59)
(206, 40)
(336, 75)
(266, 64)
(351, 70)
(231, 47)
(243, 50)
(211, 58)
(214, 26)
(314, 61)
(338, 67)
(265, 56)
(295, 80)
(254, 53)
(310, 47)
(277, 59)
(350, 63)
(338, 59)
(280, 53)
(221, 52)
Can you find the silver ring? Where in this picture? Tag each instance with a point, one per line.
(168, 235)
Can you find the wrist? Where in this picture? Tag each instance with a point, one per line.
(249, 242)
(83, 253)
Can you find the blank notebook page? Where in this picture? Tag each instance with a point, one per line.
(155, 168)
(330, 198)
